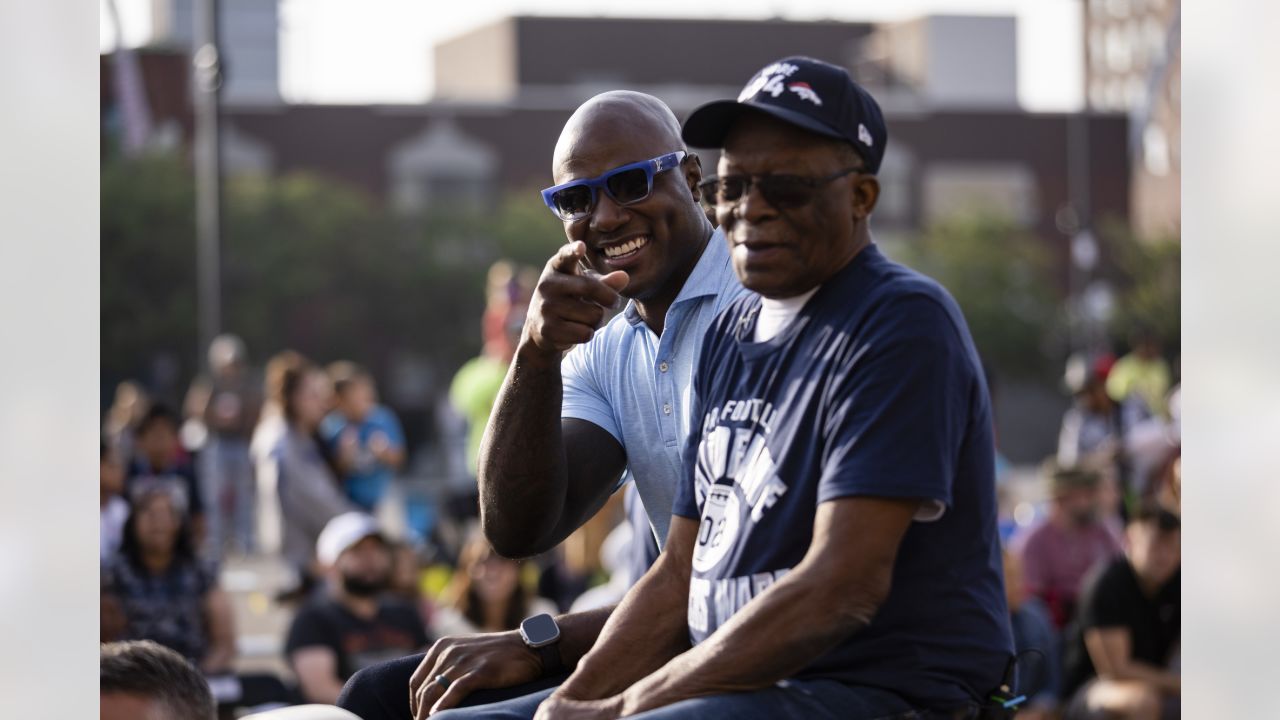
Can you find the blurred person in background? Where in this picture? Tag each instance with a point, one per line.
(1124, 639)
(1057, 553)
(155, 588)
(1140, 380)
(310, 494)
(1039, 672)
(114, 509)
(121, 423)
(363, 437)
(227, 402)
(475, 386)
(486, 594)
(354, 623)
(145, 681)
(160, 461)
(264, 448)
(407, 580)
(1091, 426)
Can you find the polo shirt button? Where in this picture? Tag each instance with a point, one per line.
(666, 409)
(663, 367)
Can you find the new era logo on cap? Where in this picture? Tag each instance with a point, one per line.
(865, 135)
(808, 93)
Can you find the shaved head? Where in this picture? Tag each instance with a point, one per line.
(656, 239)
(621, 114)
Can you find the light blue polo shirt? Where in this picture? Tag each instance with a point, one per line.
(637, 386)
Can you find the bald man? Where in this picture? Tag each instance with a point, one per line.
(567, 429)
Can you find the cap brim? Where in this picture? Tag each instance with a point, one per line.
(708, 125)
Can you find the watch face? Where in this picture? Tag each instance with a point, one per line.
(540, 630)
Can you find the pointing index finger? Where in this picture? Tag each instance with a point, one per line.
(568, 257)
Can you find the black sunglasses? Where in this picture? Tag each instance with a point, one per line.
(781, 191)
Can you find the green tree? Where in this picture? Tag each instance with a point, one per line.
(1000, 275)
(1147, 276)
(308, 264)
(148, 299)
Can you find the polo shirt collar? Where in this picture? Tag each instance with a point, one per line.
(707, 278)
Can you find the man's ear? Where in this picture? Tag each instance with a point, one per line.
(866, 192)
(693, 175)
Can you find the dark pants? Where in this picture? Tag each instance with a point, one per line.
(381, 692)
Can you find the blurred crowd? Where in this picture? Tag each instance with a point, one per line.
(300, 463)
(1092, 571)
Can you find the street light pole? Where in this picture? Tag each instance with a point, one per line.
(208, 85)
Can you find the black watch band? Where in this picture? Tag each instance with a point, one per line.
(550, 656)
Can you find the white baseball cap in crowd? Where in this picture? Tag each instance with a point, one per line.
(344, 531)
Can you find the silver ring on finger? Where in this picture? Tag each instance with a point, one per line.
(442, 681)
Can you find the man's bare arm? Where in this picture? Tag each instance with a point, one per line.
(540, 478)
(647, 629)
(833, 593)
(1111, 650)
(494, 660)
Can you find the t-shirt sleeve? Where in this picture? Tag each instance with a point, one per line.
(390, 425)
(1103, 605)
(585, 384)
(899, 407)
(308, 630)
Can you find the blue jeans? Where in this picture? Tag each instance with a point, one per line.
(799, 699)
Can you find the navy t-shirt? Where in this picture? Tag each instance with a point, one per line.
(874, 389)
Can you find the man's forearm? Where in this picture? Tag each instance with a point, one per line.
(1161, 678)
(521, 468)
(781, 631)
(646, 630)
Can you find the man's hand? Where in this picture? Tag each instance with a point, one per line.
(558, 707)
(568, 305)
(470, 662)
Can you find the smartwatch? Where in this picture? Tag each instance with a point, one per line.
(541, 633)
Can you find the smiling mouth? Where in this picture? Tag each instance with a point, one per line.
(625, 249)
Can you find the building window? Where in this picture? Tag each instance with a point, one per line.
(1004, 190)
(1154, 35)
(1115, 93)
(1098, 95)
(441, 167)
(894, 205)
(1155, 151)
(1136, 95)
(1117, 50)
(1097, 50)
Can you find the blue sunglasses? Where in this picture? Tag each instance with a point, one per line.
(625, 185)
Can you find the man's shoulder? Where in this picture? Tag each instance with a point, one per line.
(1109, 578)
(892, 285)
(320, 607)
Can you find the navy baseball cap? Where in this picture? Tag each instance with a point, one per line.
(808, 93)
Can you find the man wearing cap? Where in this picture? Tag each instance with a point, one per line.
(352, 626)
(1058, 552)
(833, 550)
(564, 431)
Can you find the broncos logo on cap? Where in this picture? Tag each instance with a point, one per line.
(805, 92)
